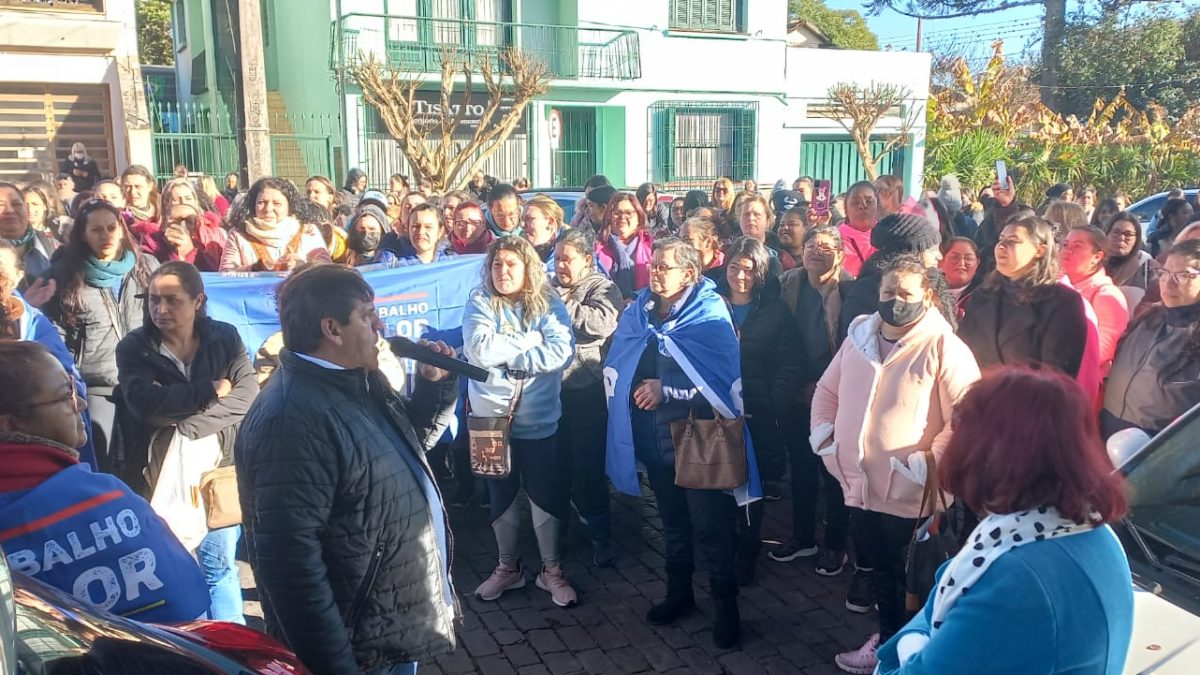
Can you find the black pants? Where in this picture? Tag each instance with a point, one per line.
(581, 444)
(809, 479)
(534, 467)
(884, 539)
(710, 512)
(103, 410)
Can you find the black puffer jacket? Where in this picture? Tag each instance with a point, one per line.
(772, 369)
(159, 398)
(338, 529)
(108, 314)
(1048, 329)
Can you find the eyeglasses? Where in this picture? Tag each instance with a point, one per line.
(1181, 277)
(73, 397)
(663, 268)
(629, 215)
(862, 203)
(720, 189)
(956, 258)
(1122, 235)
(823, 249)
(475, 223)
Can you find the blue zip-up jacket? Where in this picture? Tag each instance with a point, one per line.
(499, 342)
(89, 535)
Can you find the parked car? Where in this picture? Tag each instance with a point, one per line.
(1147, 209)
(567, 198)
(44, 631)
(1161, 536)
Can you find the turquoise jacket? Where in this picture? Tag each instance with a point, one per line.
(500, 342)
(1062, 605)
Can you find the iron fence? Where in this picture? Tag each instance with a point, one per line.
(693, 143)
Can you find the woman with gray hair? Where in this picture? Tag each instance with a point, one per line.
(771, 372)
(674, 357)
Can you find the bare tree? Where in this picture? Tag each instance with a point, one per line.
(432, 145)
(860, 109)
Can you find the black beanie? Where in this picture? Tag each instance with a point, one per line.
(1057, 191)
(905, 233)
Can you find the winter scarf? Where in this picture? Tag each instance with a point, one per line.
(23, 240)
(277, 235)
(100, 274)
(148, 213)
(996, 535)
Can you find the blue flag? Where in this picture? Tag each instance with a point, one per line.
(411, 301)
(702, 341)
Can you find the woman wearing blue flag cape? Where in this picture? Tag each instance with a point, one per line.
(675, 350)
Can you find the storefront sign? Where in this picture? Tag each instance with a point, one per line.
(428, 115)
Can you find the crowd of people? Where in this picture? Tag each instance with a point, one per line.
(882, 350)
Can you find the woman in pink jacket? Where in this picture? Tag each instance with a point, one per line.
(1082, 260)
(883, 405)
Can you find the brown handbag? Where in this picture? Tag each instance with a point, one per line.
(219, 489)
(491, 451)
(709, 454)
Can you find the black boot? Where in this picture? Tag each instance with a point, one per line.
(602, 550)
(679, 601)
(727, 627)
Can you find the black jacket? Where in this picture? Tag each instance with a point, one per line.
(807, 308)
(1154, 378)
(338, 528)
(772, 371)
(988, 234)
(158, 397)
(1050, 329)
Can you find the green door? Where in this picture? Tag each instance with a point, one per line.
(836, 160)
(575, 160)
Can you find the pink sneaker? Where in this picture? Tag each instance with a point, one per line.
(502, 579)
(554, 582)
(861, 661)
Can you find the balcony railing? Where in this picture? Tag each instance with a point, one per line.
(415, 44)
(96, 6)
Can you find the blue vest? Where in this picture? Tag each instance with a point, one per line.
(87, 534)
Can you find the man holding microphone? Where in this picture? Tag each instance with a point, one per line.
(345, 529)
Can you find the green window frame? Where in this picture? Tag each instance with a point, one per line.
(719, 16)
(697, 142)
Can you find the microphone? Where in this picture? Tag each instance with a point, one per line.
(405, 348)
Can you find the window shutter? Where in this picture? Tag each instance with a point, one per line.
(724, 15)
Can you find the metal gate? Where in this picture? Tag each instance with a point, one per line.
(836, 159)
(575, 160)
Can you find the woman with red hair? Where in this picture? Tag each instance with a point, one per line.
(1049, 586)
(624, 246)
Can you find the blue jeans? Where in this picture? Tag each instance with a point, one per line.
(218, 562)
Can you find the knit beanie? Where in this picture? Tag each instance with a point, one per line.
(370, 209)
(905, 233)
(1057, 191)
(950, 193)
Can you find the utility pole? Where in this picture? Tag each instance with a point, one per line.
(252, 93)
(1052, 39)
(919, 27)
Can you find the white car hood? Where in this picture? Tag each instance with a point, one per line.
(1159, 630)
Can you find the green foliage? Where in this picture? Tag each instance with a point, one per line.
(155, 46)
(971, 156)
(1118, 48)
(846, 28)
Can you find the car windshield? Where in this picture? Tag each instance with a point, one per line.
(1164, 486)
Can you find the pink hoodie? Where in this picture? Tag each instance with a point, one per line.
(1112, 313)
(875, 410)
(857, 246)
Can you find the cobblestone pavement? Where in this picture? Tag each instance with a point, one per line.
(793, 621)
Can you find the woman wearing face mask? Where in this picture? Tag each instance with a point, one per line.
(266, 234)
(880, 412)
(83, 170)
(594, 304)
(365, 237)
(624, 246)
(771, 374)
(1155, 376)
(1022, 315)
(896, 235)
(960, 267)
(1082, 261)
(41, 425)
(541, 224)
(1131, 268)
(190, 231)
(187, 383)
(97, 280)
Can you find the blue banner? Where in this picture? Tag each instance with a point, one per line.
(413, 301)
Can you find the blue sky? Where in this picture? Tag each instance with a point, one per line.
(970, 34)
